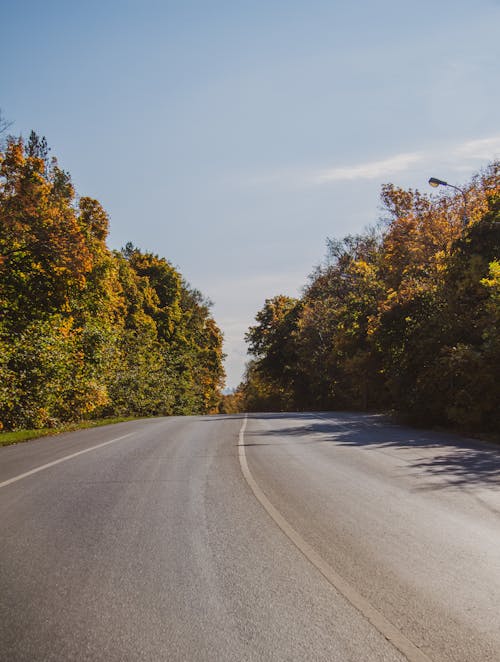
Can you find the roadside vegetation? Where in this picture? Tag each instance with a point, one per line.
(403, 317)
(86, 332)
(19, 436)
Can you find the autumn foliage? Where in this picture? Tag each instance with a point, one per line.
(405, 316)
(85, 331)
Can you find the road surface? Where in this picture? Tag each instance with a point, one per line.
(278, 537)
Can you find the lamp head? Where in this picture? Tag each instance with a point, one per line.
(435, 182)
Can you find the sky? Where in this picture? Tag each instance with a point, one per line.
(233, 138)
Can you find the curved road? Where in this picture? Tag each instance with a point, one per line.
(281, 537)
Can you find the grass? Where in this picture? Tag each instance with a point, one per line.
(19, 436)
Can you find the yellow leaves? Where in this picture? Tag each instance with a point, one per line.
(363, 269)
(372, 325)
(440, 262)
(494, 272)
(66, 327)
(493, 282)
(97, 396)
(81, 320)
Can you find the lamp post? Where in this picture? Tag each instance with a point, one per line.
(435, 182)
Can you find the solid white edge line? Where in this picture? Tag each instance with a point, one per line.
(62, 459)
(375, 617)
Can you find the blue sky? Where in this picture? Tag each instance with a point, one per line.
(233, 137)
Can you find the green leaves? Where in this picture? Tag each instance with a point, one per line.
(405, 318)
(84, 331)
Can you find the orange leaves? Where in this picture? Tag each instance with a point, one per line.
(83, 329)
(406, 319)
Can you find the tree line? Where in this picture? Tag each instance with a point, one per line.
(404, 317)
(86, 331)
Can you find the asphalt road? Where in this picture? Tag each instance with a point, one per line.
(286, 537)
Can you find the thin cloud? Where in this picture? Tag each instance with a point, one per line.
(484, 149)
(370, 170)
(458, 157)
(300, 178)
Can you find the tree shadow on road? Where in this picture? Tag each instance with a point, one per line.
(459, 462)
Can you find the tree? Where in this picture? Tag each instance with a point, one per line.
(43, 256)
(273, 342)
(84, 331)
(403, 317)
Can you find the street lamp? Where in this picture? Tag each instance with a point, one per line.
(435, 182)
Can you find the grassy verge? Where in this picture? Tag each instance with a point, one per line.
(17, 437)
